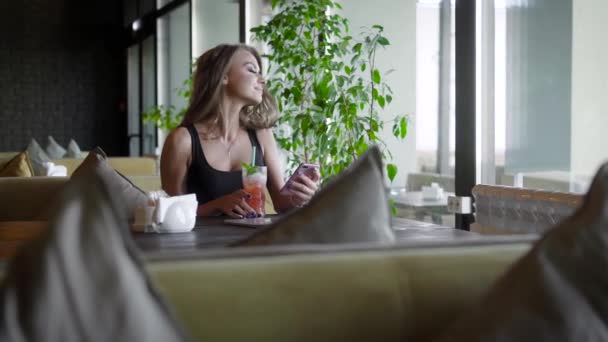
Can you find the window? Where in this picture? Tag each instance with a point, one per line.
(549, 105)
(174, 60)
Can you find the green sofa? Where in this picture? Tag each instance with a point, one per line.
(354, 293)
(406, 292)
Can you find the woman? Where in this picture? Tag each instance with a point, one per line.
(230, 112)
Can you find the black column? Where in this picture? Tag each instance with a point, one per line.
(465, 104)
(242, 28)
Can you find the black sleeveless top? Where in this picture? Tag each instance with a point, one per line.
(208, 183)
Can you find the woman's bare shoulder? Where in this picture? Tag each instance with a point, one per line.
(179, 137)
(179, 133)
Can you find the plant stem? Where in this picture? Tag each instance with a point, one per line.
(371, 60)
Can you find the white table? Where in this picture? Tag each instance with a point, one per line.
(423, 206)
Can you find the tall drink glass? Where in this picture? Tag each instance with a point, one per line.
(254, 183)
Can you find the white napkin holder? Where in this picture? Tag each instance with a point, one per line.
(53, 170)
(164, 214)
(432, 192)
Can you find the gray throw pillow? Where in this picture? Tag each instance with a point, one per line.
(37, 157)
(556, 292)
(353, 207)
(54, 150)
(118, 183)
(73, 150)
(83, 280)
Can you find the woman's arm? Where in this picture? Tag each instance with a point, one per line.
(304, 188)
(175, 161)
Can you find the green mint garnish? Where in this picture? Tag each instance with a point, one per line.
(250, 169)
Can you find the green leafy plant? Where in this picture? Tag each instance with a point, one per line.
(327, 85)
(169, 117)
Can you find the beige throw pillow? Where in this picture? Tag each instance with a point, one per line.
(82, 280)
(558, 291)
(118, 184)
(352, 208)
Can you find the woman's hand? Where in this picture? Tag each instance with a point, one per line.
(234, 204)
(303, 188)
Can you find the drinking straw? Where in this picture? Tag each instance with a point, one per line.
(253, 156)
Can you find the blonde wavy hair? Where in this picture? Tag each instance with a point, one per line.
(211, 67)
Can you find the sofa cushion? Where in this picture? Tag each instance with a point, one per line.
(557, 292)
(18, 166)
(73, 150)
(28, 198)
(83, 280)
(353, 207)
(119, 184)
(15, 234)
(53, 149)
(402, 292)
(37, 157)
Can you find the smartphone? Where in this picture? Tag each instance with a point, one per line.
(303, 169)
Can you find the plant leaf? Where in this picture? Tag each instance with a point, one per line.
(391, 170)
(393, 206)
(381, 101)
(376, 76)
(250, 169)
(403, 127)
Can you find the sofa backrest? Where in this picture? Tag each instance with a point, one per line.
(7, 155)
(27, 198)
(128, 166)
(23, 198)
(30, 198)
(402, 293)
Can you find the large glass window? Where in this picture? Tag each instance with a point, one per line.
(133, 108)
(213, 22)
(174, 60)
(421, 58)
(141, 76)
(549, 79)
(434, 124)
(421, 54)
(148, 92)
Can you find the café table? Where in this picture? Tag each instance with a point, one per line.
(433, 207)
(214, 233)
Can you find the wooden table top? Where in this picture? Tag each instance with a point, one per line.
(213, 233)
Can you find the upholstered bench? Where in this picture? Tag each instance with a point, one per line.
(128, 166)
(366, 293)
(26, 198)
